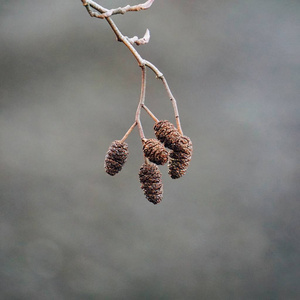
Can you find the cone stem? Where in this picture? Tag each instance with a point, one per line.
(128, 132)
(141, 103)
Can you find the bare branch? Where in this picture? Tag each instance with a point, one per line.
(141, 103)
(143, 6)
(89, 3)
(106, 13)
(102, 13)
(150, 113)
(174, 103)
(128, 132)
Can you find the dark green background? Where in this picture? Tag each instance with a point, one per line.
(229, 229)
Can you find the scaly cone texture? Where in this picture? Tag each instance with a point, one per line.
(116, 157)
(151, 183)
(155, 151)
(179, 160)
(181, 145)
(167, 133)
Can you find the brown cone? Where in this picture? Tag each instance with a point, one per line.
(155, 151)
(178, 164)
(151, 183)
(116, 157)
(183, 144)
(167, 133)
(179, 160)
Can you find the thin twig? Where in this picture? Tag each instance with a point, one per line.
(150, 113)
(160, 76)
(105, 13)
(173, 100)
(128, 132)
(141, 103)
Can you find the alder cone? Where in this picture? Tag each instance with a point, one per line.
(183, 144)
(178, 164)
(167, 133)
(155, 151)
(151, 183)
(180, 160)
(116, 157)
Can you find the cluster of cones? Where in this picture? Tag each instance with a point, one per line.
(179, 156)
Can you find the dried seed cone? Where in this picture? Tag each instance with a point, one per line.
(167, 133)
(183, 144)
(178, 164)
(151, 183)
(116, 157)
(179, 160)
(155, 151)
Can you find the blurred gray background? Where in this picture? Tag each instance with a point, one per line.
(229, 229)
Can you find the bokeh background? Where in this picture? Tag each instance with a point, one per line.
(229, 229)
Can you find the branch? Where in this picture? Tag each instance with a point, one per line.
(105, 13)
(141, 103)
(128, 132)
(150, 113)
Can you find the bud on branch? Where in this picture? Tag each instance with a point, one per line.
(105, 13)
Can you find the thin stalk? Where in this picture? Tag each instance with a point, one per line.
(141, 103)
(150, 113)
(160, 76)
(121, 38)
(128, 132)
(173, 100)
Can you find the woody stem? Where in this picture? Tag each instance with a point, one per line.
(141, 103)
(128, 132)
(173, 100)
(150, 113)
